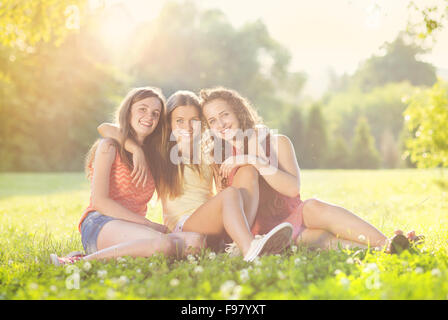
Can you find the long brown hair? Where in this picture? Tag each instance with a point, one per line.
(151, 144)
(172, 180)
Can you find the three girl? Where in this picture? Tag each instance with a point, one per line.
(256, 196)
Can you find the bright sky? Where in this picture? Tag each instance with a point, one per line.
(320, 34)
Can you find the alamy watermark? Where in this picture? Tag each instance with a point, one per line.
(251, 146)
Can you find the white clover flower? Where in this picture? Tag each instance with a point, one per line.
(297, 261)
(34, 286)
(227, 288)
(362, 237)
(344, 281)
(350, 261)
(436, 272)
(198, 269)
(419, 270)
(281, 275)
(150, 264)
(139, 270)
(337, 271)
(294, 248)
(244, 275)
(110, 294)
(123, 280)
(102, 273)
(257, 262)
(212, 256)
(87, 266)
(236, 293)
(191, 258)
(174, 282)
(371, 267)
(373, 281)
(53, 288)
(121, 259)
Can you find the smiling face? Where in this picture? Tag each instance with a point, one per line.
(185, 120)
(221, 118)
(145, 116)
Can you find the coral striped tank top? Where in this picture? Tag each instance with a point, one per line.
(123, 190)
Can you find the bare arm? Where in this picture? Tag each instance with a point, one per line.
(283, 176)
(140, 171)
(286, 178)
(104, 158)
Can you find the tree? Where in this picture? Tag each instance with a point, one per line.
(316, 141)
(187, 47)
(389, 150)
(427, 119)
(364, 153)
(24, 24)
(339, 155)
(398, 64)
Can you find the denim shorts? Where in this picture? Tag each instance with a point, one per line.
(90, 228)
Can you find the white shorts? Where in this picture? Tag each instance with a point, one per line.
(180, 224)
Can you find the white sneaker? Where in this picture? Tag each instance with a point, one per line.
(232, 248)
(273, 242)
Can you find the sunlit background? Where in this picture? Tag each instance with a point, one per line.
(343, 79)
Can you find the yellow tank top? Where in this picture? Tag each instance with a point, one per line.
(197, 189)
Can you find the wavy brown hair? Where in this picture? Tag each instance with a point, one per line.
(244, 111)
(151, 144)
(172, 180)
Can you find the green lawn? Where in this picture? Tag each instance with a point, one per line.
(39, 214)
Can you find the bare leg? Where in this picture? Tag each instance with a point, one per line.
(194, 241)
(246, 180)
(341, 223)
(122, 238)
(318, 238)
(224, 212)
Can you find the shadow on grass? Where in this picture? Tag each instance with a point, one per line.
(18, 184)
(442, 183)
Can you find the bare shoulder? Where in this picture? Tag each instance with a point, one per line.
(107, 146)
(284, 141)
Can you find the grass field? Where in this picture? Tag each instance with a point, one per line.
(39, 214)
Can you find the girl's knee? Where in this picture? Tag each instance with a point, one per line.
(313, 205)
(247, 174)
(166, 245)
(231, 193)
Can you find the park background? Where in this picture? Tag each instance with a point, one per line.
(357, 85)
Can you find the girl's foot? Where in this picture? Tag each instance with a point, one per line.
(60, 261)
(399, 242)
(273, 242)
(414, 239)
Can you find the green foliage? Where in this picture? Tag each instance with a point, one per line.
(25, 23)
(339, 156)
(431, 18)
(427, 121)
(49, 115)
(397, 65)
(316, 140)
(189, 48)
(364, 153)
(39, 215)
